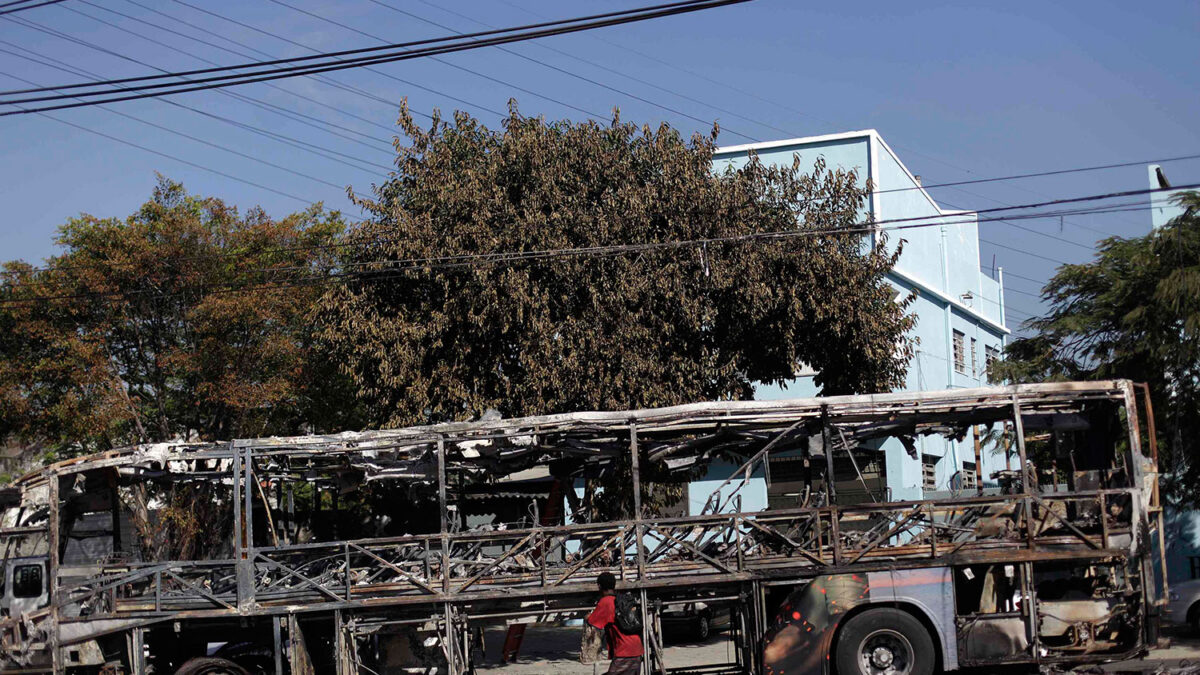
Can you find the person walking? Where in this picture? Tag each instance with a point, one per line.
(625, 649)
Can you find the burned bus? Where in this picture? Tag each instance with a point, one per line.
(388, 551)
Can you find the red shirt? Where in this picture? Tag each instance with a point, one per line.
(604, 617)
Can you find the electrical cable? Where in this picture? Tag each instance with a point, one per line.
(441, 61)
(1024, 278)
(388, 55)
(376, 143)
(950, 184)
(792, 109)
(361, 50)
(1059, 172)
(738, 90)
(191, 137)
(893, 190)
(319, 78)
(177, 159)
(614, 71)
(563, 71)
(1041, 174)
(1028, 253)
(1048, 235)
(321, 151)
(511, 257)
(22, 9)
(863, 229)
(396, 267)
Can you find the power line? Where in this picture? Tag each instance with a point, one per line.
(326, 80)
(792, 109)
(319, 78)
(439, 25)
(22, 9)
(739, 90)
(997, 201)
(1040, 174)
(217, 81)
(561, 70)
(258, 103)
(601, 66)
(1010, 289)
(1021, 250)
(321, 151)
(443, 62)
(1024, 278)
(783, 106)
(875, 226)
(191, 137)
(395, 267)
(1048, 235)
(860, 228)
(362, 50)
(177, 159)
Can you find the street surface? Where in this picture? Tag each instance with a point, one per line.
(555, 649)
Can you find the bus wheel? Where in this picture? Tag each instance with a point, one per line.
(884, 641)
(210, 666)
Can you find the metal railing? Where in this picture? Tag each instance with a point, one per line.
(547, 560)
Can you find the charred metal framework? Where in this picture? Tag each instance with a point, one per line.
(1090, 501)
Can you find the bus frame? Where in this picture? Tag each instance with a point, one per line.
(1058, 571)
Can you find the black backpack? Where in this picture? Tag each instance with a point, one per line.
(628, 614)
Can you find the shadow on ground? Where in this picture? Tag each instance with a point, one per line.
(555, 649)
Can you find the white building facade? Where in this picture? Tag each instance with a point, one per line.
(959, 330)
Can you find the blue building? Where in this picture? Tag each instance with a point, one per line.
(959, 309)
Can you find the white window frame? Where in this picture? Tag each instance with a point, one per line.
(958, 348)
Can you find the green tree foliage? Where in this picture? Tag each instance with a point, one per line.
(166, 325)
(649, 326)
(1133, 312)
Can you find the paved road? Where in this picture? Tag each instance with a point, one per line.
(554, 649)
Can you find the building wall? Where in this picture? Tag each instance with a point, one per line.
(940, 264)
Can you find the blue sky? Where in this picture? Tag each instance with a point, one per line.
(961, 90)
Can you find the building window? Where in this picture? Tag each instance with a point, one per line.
(991, 355)
(929, 472)
(970, 477)
(960, 357)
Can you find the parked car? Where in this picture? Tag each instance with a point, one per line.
(697, 620)
(1184, 604)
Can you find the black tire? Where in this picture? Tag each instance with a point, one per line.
(210, 666)
(1193, 616)
(884, 641)
(703, 627)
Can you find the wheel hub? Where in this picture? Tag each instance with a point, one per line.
(886, 652)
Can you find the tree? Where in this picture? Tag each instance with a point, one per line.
(570, 326)
(175, 323)
(1133, 312)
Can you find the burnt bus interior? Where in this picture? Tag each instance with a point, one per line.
(394, 550)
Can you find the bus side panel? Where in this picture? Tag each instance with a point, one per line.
(800, 638)
(931, 591)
